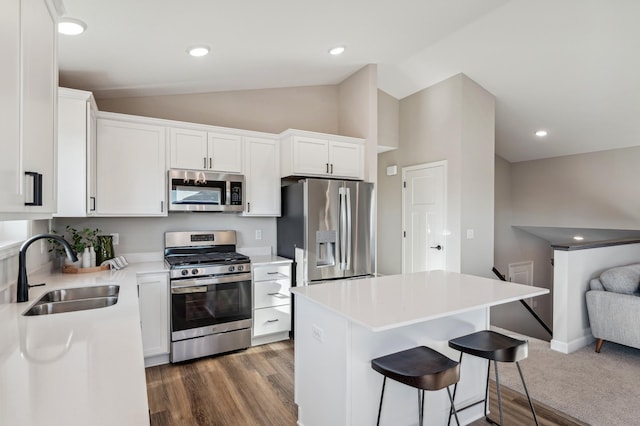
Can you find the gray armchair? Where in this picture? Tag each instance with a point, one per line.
(613, 304)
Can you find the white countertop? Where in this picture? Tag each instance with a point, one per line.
(77, 368)
(393, 301)
(268, 259)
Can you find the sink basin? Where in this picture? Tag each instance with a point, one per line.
(75, 299)
(47, 308)
(65, 294)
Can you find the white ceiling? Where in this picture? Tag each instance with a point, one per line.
(569, 66)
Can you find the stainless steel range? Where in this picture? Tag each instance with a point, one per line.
(210, 294)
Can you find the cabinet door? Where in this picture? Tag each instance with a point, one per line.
(188, 149)
(153, 297)
(11, 199)
(262, 177)
(345, 159)
(310, 156)
(39, 99)
(130, 169)
(225, 152)
(92, 160)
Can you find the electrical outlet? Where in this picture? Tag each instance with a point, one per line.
(115, 239)
(317, 333)
(258, 234)
(470, 234)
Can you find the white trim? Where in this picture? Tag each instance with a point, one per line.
(575, 344)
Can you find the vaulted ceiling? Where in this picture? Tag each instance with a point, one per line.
(570, 67)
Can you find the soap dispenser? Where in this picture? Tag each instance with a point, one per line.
(86, 258)
(92, 253)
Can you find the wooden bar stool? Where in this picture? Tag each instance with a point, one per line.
(499, 348)
(421, 368)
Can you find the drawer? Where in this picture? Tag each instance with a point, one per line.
(271, 320)
(271, 293)
(272, 272)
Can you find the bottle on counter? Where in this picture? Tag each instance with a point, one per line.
(86, 258)
(92, 253)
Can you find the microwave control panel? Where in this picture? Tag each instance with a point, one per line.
(236, 193)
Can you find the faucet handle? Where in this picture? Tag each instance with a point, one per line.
(36, 285)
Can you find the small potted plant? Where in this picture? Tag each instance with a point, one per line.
(78, 240)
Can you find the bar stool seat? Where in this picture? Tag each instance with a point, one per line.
(422, 368)
(494, 346)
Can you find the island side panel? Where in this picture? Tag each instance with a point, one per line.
(320, 371)
(400, 401)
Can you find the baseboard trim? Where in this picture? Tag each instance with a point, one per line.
(575, 344)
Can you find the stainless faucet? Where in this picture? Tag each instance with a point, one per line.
(23, 283)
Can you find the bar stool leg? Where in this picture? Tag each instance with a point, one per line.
(535, 419)
(420, 407)
(384, 382)
(455, 388)
(486, 388)
(453, 408)
(495, 363)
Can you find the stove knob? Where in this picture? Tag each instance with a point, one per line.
(194, 271)
(240, 268)
(184, 272)
(231, 268)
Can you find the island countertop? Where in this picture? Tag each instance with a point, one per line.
(392, 301)
(77, 368)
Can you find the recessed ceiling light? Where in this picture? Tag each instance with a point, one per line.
(71, 26)
(338, 50)
(198, 51)
(541, 133)
(578, 237)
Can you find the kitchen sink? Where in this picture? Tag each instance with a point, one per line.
(75, 299)
(65, 294)
(48, 308)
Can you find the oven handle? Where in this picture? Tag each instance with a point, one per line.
(186, 290)
(211, 280)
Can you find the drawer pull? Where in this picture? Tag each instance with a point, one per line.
(278, 295)
(273, 320)
(272, 273)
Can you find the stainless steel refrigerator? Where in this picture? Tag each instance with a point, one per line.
(326, 227)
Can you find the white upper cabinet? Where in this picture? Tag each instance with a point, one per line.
(76, 153)
(322, 155)
(262, 177)
(201, 150)
(131, 171)
(28, 99)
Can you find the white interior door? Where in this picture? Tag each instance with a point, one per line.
(424, 217)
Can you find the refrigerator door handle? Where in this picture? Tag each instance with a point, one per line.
(342, 228)
(349, 235)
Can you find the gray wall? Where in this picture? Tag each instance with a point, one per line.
(454, 121)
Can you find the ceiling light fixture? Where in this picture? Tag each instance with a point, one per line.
(578, 238)
(338, 50)
(541, 133)
(71, 26)
(198, 51)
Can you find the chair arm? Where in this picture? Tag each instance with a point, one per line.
(614, 317)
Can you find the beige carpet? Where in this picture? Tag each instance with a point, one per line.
(599, 389)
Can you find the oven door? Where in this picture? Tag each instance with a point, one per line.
(210, 305)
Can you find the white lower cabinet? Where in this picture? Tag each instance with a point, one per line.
(153, 297)
(271, 302)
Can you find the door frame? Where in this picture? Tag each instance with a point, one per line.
(442, 163)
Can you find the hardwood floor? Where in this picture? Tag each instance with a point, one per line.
(255, 387)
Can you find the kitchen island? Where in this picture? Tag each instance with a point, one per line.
(342, 325)
(75, 368)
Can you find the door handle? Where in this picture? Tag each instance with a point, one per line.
(438, 247)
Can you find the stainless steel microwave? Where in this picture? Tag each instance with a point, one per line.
(200, 191)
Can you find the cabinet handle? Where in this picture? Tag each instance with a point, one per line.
(332, 168)
(327, 167)
(248, 207)
(278, 295)
(161, 206)
(272, 273)
(210, 162)
(273, 320)
(37, 189)
(93, 204)
(204, 165)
